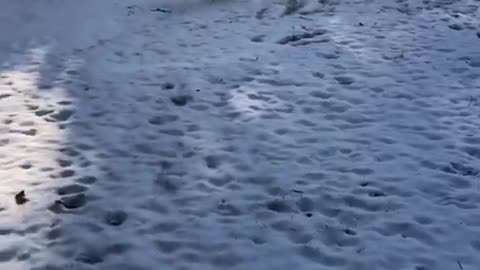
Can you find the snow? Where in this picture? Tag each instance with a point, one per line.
(201, 134)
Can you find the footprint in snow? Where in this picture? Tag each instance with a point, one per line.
(344, 80)
(181, 100)
(115, 218)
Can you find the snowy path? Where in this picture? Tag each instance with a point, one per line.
(191, 135)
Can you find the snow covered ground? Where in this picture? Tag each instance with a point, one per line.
(200, 134)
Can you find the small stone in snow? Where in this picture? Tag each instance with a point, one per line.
(20, 198)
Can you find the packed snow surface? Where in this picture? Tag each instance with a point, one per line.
(212, 135)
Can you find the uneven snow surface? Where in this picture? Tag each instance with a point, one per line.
(212, 135)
